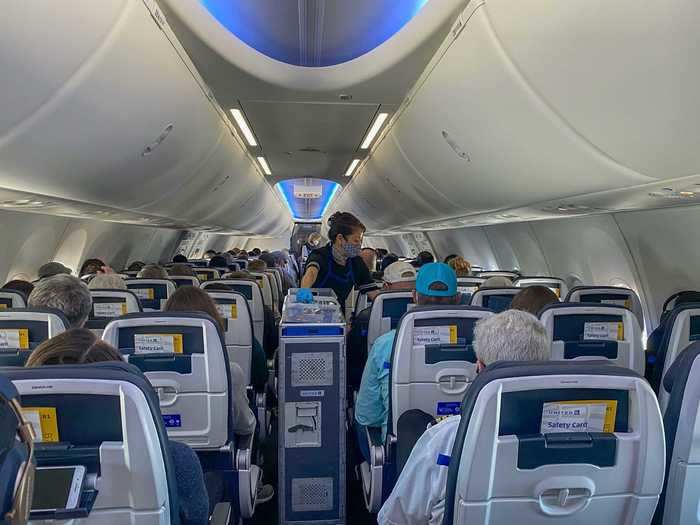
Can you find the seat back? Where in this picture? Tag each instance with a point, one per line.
(238, 335)
(184, 280)
(601, 331)
(361, 302)
(199, 263)
(183, 356)
(251, 291)
(153, 293)
(207, 274)
(608, 295)
(12, 299)
(23, 329)
(557, 285)
(564, 442)
(263, 281)
(679, 499)
(496, 299)
(108, 304)
(682, 328)
(275, 288)
(469, 285)
(242, 263)
(511, 274)
(432, 365)
(387, 309)
(106, 418)
(130, 274)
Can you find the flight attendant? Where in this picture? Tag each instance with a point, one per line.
(337, 265)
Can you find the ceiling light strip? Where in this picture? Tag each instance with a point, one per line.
(264, 165)
(352, 167)
(243, 125)
(374, 130)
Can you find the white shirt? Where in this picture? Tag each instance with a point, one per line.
(418, 497)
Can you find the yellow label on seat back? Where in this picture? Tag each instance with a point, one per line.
(14, 338)
(228, 311)
(3, 306)
(44, 423)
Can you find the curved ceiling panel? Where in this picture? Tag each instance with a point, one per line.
(313, 33)
(98, 125)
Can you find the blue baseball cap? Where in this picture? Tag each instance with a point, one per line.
(432, 273)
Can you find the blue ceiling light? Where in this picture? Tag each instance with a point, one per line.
(307, 208)
(334, 31)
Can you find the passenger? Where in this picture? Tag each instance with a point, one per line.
(73, 347)
(66, 293)
(436, 284)
(257, 266)
(240, 275)
(218, 261)
(180, 258)
(258, 364)
(400, 276)
(369, 256)
(193, 299)
(255, 252)
(461, 266)
(338, 265)
(107, 281)
(82, 346)
(533, 298)
(181, 269)
(496, 282)
(152, 271)
(92, 266)
(19, 285)
(281, 260)
(135, 266)
(423, 258)
(209, 254)
(51, 269)
(449, 258)
(268, 259)
(419, 494)
(388, 259)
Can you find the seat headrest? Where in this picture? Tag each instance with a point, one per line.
(565, 306)
(52, 311)
(680, 368)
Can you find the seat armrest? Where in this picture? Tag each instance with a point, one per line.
(221, 514)
(373, 473)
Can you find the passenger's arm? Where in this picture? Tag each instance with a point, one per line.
(369, 409)
(243, 417)
(309, 277)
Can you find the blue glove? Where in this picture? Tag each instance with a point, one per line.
(305, 296)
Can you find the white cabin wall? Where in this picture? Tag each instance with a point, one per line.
(30, 240)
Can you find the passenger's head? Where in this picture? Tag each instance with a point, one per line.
(152, 271)
(268, 259)
(107, 281)
(181, 269)
(136, 266)
(461, 266)
(209, 254)
(388, 259)
(381, 252)
(423, 258)
(255, 252)
(449, 258)
(436, 284)
(73, 347)
(53, 268)
(91, 266)
(179, 258)
(314, 239)
(512, 335)
(66, 293)
(19, 285)
(257, 266)
(497, 281)
(345, 231)
(218, 261)
(533, 298)
(369, 256)
(280, 259)
(193, 299)
(399, 276)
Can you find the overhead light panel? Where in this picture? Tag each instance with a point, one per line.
(352, 167)
(244, 127)
(264, 165)
(374, 130)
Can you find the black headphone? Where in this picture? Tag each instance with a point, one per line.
(17, 465)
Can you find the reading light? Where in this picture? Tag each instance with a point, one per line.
(352, 167)
(247, 133)
(372, 133)
(265, 167)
